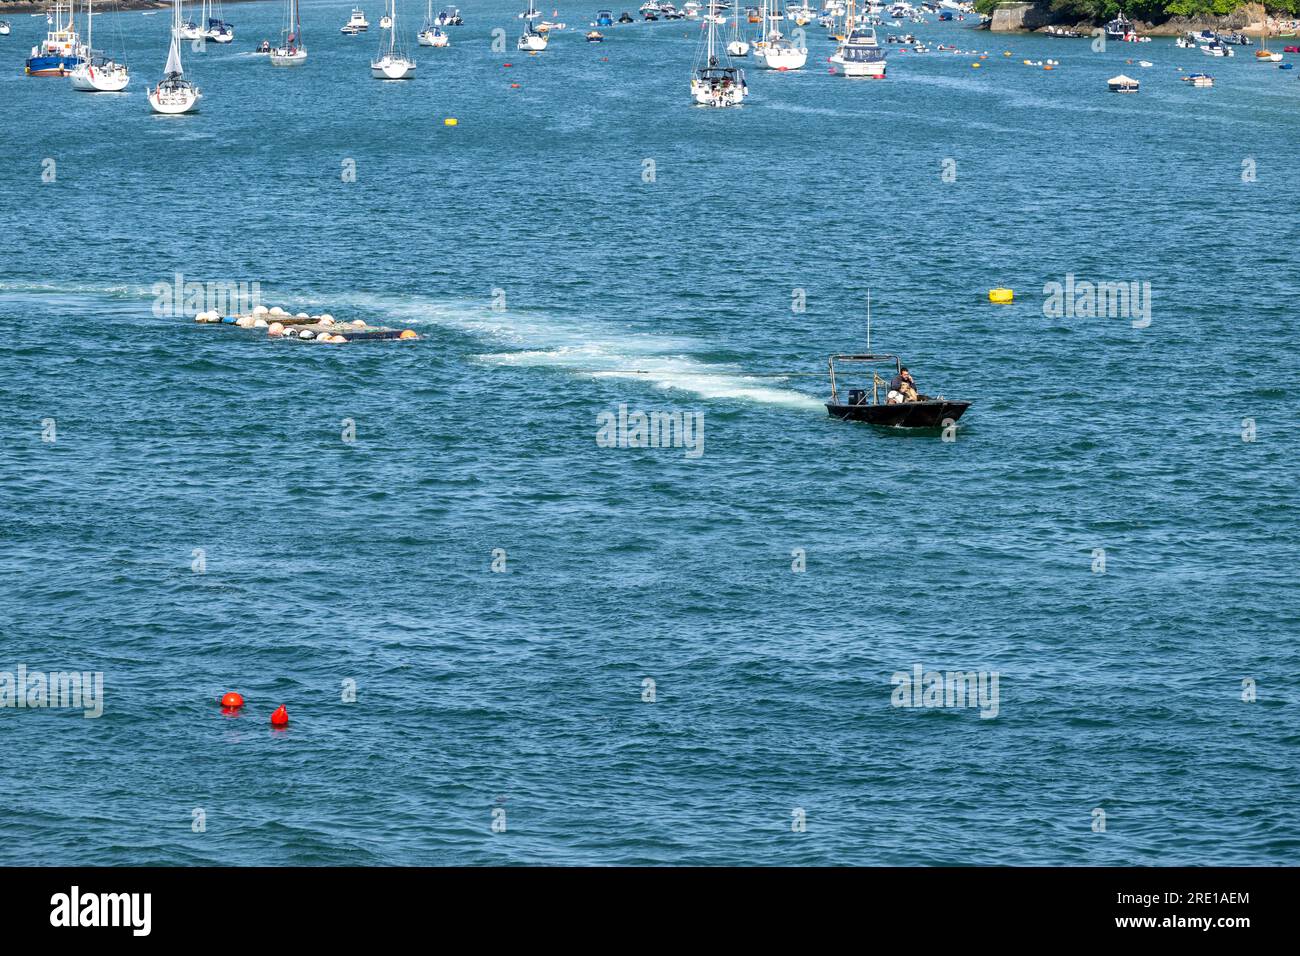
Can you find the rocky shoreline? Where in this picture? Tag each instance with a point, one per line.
(110, 6)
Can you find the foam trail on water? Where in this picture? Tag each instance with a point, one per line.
(579, 346)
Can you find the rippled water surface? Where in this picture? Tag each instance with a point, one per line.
(327, 561)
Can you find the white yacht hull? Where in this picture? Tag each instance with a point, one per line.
(92, 79)
(174, 102)
(221, 37)
(781, 59)
(392, 68)
(874, 71)
(283, 57)
(533, 43)
(737, 48)
(429, 38)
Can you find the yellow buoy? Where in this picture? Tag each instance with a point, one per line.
(450, 121)
(1001, 295)
(975, 66)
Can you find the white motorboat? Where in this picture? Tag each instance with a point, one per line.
(860, 54)
(1122, 84)
(357, 23)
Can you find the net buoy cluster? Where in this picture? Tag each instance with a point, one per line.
(280, 323)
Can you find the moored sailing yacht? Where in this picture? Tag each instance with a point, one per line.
(429, 34)
(738, 45)
(1264, 54)
(191, 30)
(217, 30)
(860, 54)
(294, 50)
(717, 82)
(97, 73)
(392, 63)
(174, 94)
(532, 40)
(774, 51)
(62, 50)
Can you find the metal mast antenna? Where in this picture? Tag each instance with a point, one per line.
(868, 321)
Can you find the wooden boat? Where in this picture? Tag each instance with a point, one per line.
(863, 407)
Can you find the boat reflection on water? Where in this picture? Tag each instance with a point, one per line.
(865, 405)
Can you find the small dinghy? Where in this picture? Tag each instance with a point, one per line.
(595, 36)
(896, 411)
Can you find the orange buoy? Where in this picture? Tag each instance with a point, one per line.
(232, 701)
(408, 334)
(509, 64)
(514, 86)
(280, 717)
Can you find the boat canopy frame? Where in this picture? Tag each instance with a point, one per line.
(863, 358)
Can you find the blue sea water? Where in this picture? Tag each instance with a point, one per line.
(326, 561)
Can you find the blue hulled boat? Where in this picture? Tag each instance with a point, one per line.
(62, 50)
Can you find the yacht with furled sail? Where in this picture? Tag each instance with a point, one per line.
(392, 62)
(860, 54)
(174, 94)
(430, 34)
(737, 45)
(715, 82)
(532, 40)
(191, 30)
(216, 29)
(62, 50)
(98, 73)
(774, 51)
(294, 51)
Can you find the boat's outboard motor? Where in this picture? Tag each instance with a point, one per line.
(857, 396)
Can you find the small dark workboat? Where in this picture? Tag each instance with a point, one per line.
(865, 406)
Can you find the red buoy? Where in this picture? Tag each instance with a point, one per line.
(232, 701)
(280, 717)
